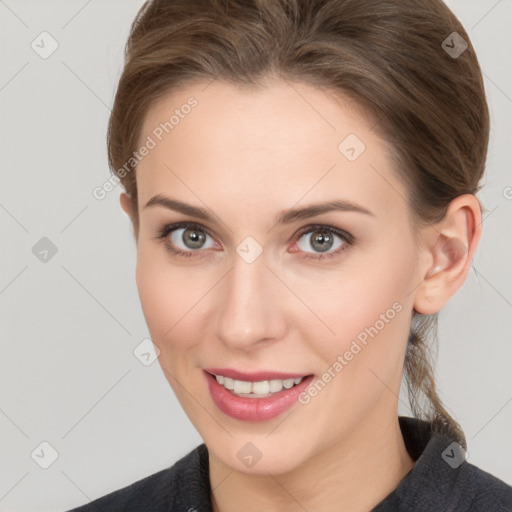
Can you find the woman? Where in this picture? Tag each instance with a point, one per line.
(301, 180)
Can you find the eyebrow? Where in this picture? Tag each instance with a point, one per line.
(286, 217)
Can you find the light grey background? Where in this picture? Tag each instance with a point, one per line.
(69, 326)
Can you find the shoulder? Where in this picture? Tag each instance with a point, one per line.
(442, 478)
(159, 492)
(486, 491)
(153, 489)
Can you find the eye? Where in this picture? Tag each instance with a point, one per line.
(188, 239)
(323, 239)
(185, 239)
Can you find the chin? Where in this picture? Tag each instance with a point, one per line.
(257, 455)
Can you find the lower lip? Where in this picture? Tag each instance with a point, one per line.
(254, 409)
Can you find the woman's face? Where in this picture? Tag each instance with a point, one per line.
(253, 293)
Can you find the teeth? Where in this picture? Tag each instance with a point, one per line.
(260, 388)
(275, 385)
(242, 387)
(288, 383)
(229, 383)
(256, 389)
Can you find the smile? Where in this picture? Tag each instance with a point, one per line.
(259, 389)
(255, 400)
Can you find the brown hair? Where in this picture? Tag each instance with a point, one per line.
(387, 55)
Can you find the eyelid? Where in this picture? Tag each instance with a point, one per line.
(168, 228)
(337, 231)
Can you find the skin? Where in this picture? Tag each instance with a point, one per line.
(248, 155)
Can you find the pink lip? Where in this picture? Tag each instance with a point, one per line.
(254, 409)
(254, 376)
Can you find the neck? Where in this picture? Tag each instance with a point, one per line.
(354, 474)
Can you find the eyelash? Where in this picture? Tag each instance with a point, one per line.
(346, 237)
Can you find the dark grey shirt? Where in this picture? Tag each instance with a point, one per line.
(440, 481)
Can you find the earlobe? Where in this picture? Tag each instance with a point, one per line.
(126, 203)
(450, 244)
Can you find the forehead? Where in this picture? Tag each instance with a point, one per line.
(263, 147)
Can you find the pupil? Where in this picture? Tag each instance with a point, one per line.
(193, 238)
(322, 241)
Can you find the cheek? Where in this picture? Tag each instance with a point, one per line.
(361, 362)
(166, 299)
(367, 309)
(360, 302)
(369, 330)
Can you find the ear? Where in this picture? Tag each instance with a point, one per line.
(448, 248)
(126, 203)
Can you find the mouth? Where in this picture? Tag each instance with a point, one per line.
(253, 388)
(255, 400)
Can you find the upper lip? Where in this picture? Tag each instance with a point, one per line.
(253, 376)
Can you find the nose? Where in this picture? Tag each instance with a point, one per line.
(249, 305)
